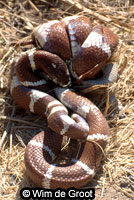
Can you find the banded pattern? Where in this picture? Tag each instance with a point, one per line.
(78, 173)
(70, 49)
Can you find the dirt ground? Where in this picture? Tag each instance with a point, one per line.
(115, 178)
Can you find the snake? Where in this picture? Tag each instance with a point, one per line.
(69, 51)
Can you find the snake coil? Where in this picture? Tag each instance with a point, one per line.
(71, 51)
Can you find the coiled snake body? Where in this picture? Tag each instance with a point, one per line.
(70, 42)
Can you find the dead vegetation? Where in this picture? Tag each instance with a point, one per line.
(17, 19)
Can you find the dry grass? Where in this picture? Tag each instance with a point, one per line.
(17, 19)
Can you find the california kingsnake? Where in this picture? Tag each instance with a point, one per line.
(70, 42)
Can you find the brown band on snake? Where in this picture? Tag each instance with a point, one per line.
(78, 28)
(110, 75)
(52, 37)
(87, 122)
